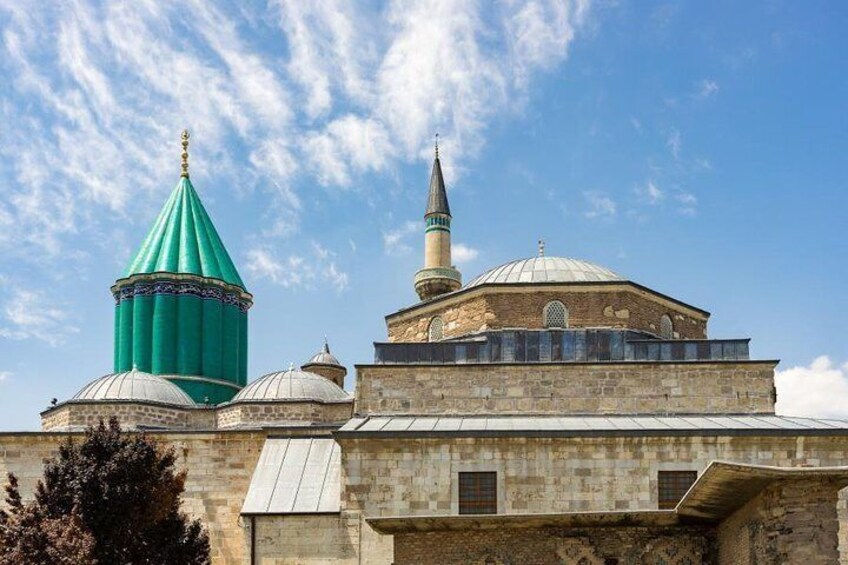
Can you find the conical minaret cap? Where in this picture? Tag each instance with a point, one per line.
(437, 199)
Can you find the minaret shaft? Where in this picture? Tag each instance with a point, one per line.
(438, 275)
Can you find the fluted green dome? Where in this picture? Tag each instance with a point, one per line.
(184, 241)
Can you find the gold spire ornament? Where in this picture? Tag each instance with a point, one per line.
(541, 248)
(437, 146)
(184, 155)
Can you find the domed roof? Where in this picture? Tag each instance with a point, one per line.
(134, 385)
(545, 269)
(324, 357)
(293, 384)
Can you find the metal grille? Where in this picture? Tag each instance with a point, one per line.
(672, 486)
(437, 328)
(478, 493)
(666, 327)
(556, 315)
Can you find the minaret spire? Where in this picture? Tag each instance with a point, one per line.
(438, 275)
(184, 155)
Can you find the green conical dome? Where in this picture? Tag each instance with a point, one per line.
(184, 241)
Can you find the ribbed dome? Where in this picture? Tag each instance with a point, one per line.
(293, 384)
(545, 269)
(134, 385)
(184, 241)
(324, 357)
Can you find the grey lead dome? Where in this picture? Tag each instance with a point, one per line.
(545, 269)
(293, 384)
(134, 385)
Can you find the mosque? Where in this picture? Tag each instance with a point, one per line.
(549, 411)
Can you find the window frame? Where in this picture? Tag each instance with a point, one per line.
(441, 325)
(469, 503)
(670, 493)
(546, 311)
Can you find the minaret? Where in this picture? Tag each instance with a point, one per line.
(181, 307)
(438, 275)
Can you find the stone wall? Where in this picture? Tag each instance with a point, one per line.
(609, 388)
(556, 546)
(296, 539)
(132, 415)
(400, 476)
(599, 306)
(789, 522)
(220, 466)
(247, 414)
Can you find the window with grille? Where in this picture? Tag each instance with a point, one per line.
(672, 486)
(478, 493)
(555, 314)
(437, 329)
(666, 327)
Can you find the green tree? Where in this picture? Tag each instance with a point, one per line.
(112, 499)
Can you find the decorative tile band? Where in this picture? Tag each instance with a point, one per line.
(180, 288)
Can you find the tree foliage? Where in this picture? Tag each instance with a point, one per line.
(112, 499)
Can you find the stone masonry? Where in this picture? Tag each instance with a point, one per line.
(622, 305)
(608, 388)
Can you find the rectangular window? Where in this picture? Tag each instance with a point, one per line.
(478, 493)
(673, 485)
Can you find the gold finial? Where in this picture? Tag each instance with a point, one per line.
(437, 146)
(184, 155)
(541, 248)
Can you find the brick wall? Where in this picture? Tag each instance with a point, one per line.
(132, 415)
(555, 546)
(604, 306)
(266, 413)
(609, 388)
(397, 477)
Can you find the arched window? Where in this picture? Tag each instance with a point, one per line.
(437, 329)
(555, 314)
(666, 327)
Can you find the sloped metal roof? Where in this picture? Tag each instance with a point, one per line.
(293, 384)
(545, 269)
(134, 385)
(324, 357)
(412, 426)
(296, 476)
(437, 196)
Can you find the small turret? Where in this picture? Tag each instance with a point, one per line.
(438, 275)
(325, 364)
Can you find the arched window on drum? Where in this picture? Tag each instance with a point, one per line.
(436, 330)
(555, 315)
(666, 327)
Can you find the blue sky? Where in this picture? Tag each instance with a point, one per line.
(696, 148)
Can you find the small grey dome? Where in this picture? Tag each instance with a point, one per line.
(293, 384)
(134, 385)
(324, 357)
(545, 269)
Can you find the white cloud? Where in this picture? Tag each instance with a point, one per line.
(462, 253)
(687, 203)
(818, 390)
(395, 241)
(600, 206)
(706, 88)
(315, 269)
(652, 193)
(4, 375)
(30, 314)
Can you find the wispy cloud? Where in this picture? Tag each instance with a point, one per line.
(817, 390)
(463, 254)
(706, 88)
(4, 376)
(601, 206)
(674, 143)
(396, 240)
(30, 314)
(275, 94)
(297, 270)
(651, 193)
